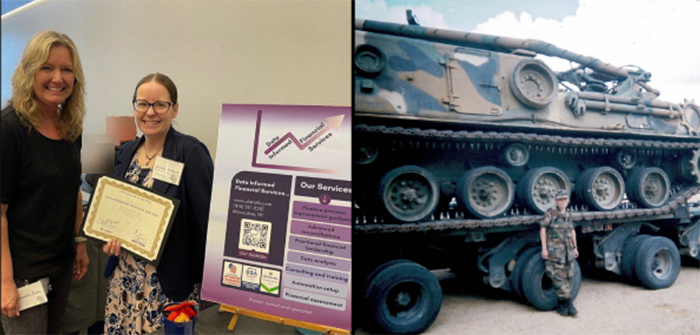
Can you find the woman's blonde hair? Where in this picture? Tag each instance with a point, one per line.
(24, 100)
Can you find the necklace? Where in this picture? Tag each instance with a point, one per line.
(154, 155)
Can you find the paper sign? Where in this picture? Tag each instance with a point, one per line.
(33, 294)
(168, 170)
(279, 238)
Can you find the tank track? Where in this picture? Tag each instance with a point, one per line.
(454, 220)
(551, 141)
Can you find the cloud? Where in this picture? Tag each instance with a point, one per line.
(378, 10)
(660, 37)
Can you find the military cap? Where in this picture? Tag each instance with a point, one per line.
(562, 194)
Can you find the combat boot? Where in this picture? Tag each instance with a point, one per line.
(562, 308)
(571, 309)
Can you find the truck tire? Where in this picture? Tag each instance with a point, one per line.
(658, 263)
(402, 298)
(537, 287)
(629, 256)
(516, 277)
(381, 267)
(368, 271)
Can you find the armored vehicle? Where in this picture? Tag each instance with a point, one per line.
(461, 142)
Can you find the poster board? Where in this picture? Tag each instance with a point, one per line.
(279, 239)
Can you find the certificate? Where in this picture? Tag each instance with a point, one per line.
(137, 217)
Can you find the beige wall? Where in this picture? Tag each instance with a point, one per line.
(217, 52)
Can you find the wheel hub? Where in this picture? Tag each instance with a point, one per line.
(532, 84)
(602, 189)
(544, 191)
(403, 299)
(516, 155)
(408, 195)
(662, 264)
(651, 188)
(484, 193)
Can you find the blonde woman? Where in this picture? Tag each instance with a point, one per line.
(41, 202)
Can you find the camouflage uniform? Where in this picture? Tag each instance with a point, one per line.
(560, 246)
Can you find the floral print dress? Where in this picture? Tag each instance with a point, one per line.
(135, 298)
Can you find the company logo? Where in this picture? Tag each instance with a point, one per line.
(231, 274)
(253, 272)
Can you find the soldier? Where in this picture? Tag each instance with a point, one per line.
(559, 250)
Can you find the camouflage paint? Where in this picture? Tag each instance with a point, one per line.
(417, 60)
(484, 78)
(662, 127)
(403, 56)
(479, 87)
(416, 98)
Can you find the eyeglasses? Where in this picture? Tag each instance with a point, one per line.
(160, 107)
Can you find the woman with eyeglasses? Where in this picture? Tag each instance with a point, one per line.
(138, 290)
(41, 202)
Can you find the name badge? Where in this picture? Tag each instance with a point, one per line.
(168, 170)
(33, 294)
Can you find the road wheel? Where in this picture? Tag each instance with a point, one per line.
(649, 187)
(403, 298)
(658, 263)
(409, 193)
(516, 276)
(486, 192)
(538, 188)
(601, 188)
(629, 255)
(537, 286)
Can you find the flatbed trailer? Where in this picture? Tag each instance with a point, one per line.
(400, 295)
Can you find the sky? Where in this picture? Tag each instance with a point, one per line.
(659, 36)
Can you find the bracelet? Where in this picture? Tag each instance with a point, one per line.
(80, 239)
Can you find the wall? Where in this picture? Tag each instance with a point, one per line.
(240, 52)
(9, 5)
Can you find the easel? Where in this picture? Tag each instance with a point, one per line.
(237, 311)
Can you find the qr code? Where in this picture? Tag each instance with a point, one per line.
(255, 235)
